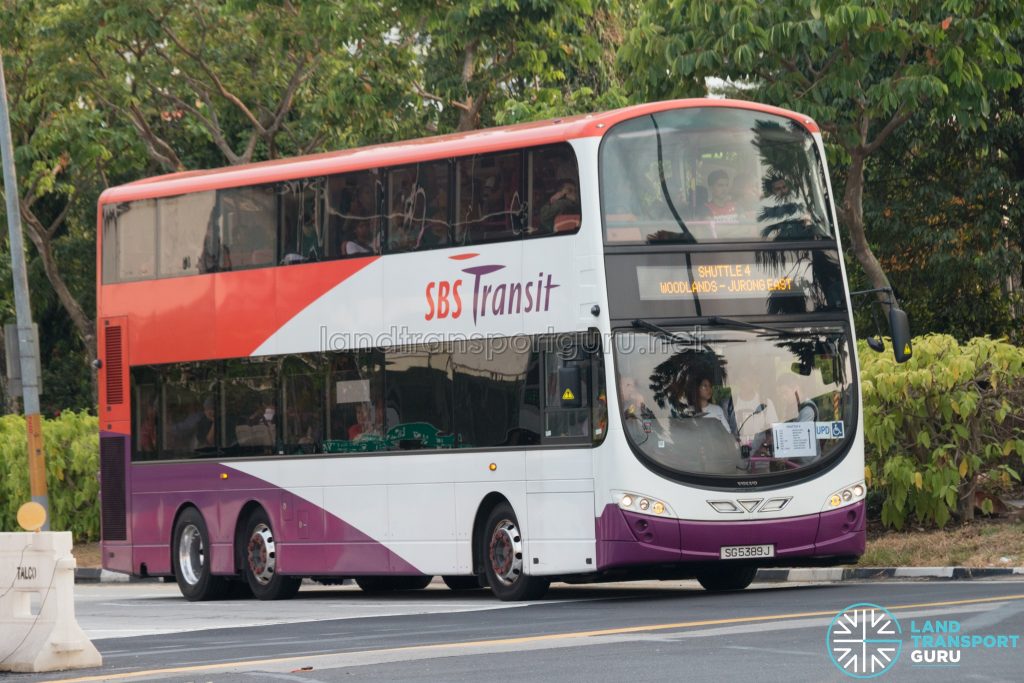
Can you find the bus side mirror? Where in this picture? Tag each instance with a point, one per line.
(899, 330)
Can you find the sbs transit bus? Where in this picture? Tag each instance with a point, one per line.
(602, 347)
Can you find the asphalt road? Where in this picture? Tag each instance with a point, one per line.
(613, 632)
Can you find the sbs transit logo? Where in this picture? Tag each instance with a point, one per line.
(486, 294)
(864, 640)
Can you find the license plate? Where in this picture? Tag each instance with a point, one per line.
(747, 552)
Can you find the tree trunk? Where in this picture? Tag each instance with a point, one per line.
(965, 499)
(84, 325)
(852, 213)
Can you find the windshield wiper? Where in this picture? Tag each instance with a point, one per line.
(719, 320)
(681, 338)
(686, 235)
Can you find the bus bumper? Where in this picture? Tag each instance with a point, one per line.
(627, 539)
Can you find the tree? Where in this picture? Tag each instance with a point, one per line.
(487, 62)
(861, 69)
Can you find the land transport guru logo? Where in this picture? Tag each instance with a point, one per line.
(486, 293)
(864, 640)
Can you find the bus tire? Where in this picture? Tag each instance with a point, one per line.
(190, 557)
(462, 583)
(727, 578)
(259, 561)
(503, 560)
(387, 584)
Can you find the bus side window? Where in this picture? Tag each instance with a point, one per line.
(192, 410)
(252, 423)
(301, 224)
(134, 232)
(567, 391)
(418, 398)
(489, 375)
(302, 409)
(353, 225)
(248, 227)
(489, 197)
(183, 228)
(554, 184)
(355, 402)
(418, 207)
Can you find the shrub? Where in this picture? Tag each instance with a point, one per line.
(941, 424)
(72, 464)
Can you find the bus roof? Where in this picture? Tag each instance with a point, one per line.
(418, 150)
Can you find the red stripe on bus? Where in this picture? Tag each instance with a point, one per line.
(463, 257)
(222, 315)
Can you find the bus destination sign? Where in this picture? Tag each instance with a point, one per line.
(721, 281)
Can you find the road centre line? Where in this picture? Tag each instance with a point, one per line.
(647, 628)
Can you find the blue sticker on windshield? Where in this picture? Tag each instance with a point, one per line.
(829, 430)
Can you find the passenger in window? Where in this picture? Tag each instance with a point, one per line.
(309, 242)
(364, 423)
(720, 203)
(361, 240)
(564, 202)
(206, 427)
(147, 429)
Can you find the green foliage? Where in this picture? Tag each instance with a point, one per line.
(72, 463)
(941, 424)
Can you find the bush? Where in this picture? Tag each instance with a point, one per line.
(942, 424)
(72, 466)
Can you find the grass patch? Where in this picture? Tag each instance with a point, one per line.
(994, 544)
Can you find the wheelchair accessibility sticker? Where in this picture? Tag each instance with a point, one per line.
(829, 430)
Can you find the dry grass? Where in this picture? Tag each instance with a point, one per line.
(985, 544)
(87, 554)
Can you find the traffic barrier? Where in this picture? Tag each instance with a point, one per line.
(38, 629)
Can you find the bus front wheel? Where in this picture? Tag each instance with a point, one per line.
(727, 578)
(503, 560)
(259, 561)
(191, 559)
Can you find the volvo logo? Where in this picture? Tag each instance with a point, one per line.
(741, 505)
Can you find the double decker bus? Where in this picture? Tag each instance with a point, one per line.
(602, 347)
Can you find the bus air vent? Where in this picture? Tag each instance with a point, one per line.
(115, 384)
(112, 488)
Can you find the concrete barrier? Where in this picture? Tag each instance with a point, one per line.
(38, 630)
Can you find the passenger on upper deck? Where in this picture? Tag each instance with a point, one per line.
(720, 203)
(361, 240)
(565, 201)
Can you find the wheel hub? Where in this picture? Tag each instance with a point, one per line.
(261, 554)
(191, 554)
(505, 552)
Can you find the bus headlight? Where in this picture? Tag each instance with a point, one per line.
(846, 496)
(644, 504)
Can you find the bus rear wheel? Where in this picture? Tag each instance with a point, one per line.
(386, 584)
(259, 561)
(191, 559)
(503, 559)
(727, 578)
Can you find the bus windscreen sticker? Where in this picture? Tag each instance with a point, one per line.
(794, 439)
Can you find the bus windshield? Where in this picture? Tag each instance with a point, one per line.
(735, 403)
(716, 175)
